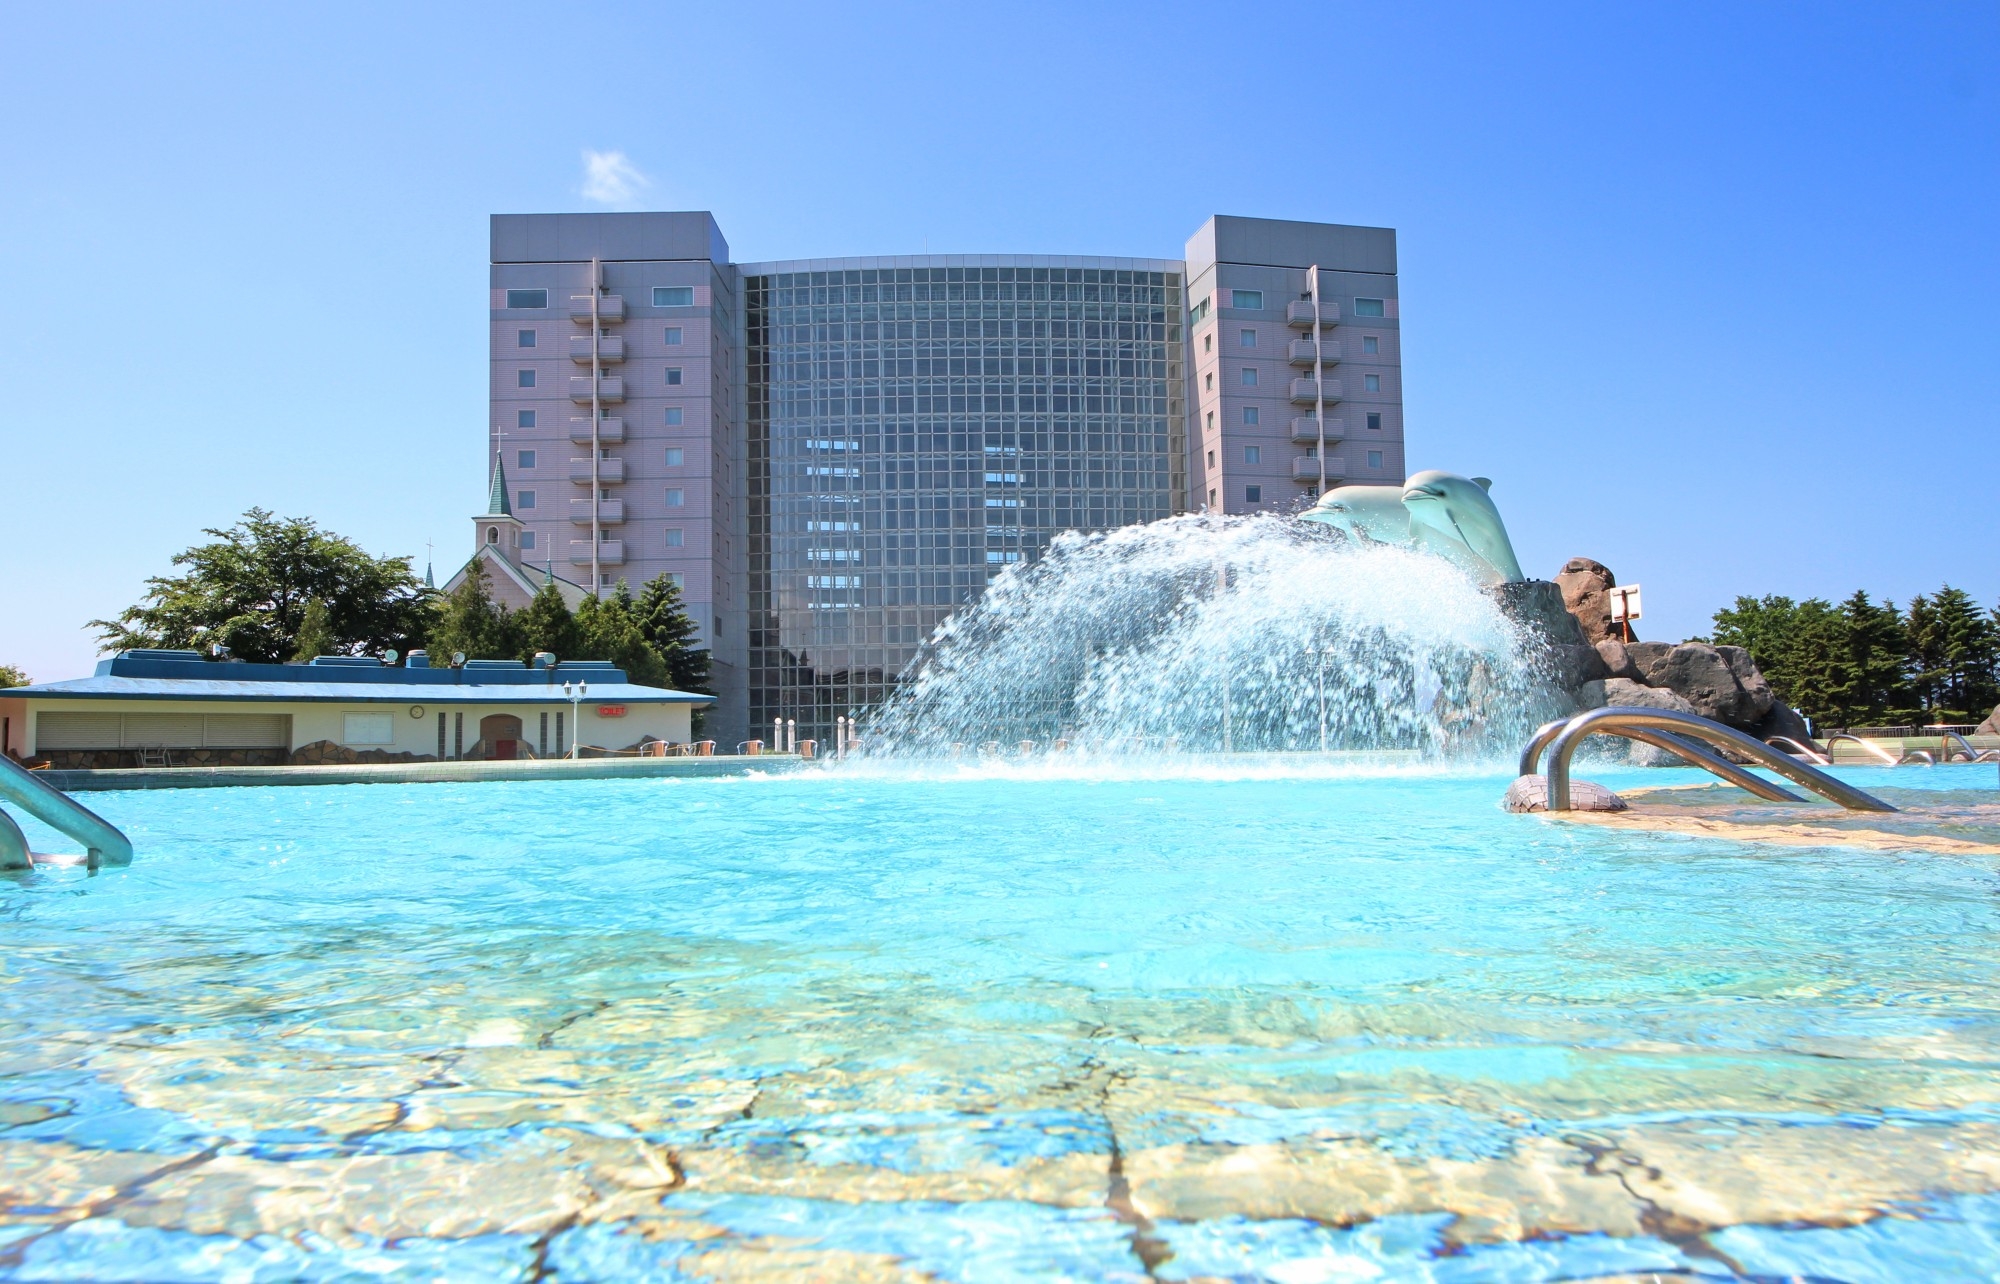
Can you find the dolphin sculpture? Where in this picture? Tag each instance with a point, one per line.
(1454, 516)
(1364, 513)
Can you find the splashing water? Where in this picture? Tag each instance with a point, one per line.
(1204, 634)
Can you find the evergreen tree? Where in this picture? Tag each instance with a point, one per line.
(1871, 684)
(1797, 646)
(547, 625)
(609, 629)
(663, 619)
(315, 634)
(1952, 653)
(469, 620)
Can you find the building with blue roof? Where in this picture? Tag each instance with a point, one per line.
(177, 708)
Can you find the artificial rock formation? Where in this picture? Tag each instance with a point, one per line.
(1585, 586)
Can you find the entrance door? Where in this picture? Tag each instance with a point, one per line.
(502, 734)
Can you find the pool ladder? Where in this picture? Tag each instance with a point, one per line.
(103, 844)
(1682, 734)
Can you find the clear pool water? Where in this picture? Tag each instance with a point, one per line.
(1266, 1023)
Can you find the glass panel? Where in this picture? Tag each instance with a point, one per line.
(527, 298)
(673, 296)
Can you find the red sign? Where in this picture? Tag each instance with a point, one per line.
(610, 710)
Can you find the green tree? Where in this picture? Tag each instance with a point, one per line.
(468, 620)
(1798, 646)
(547, 625)
(13, 677)
(1952, 652)
(315, 635)
(609, 630)
(248, 590)
(1871, 683)
(664, 620)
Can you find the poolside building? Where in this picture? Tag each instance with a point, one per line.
(832, 455)
(173, 708)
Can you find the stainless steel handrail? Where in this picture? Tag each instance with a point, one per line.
(1792, 746)
(1697, 754)
(1584, 725)
(103, 844)
(1971, 754)
(1887, 757)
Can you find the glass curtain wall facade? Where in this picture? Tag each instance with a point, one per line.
(914, 427)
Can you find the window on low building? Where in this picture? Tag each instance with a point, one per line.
(527, 298)
(367, 728)
(673, 296)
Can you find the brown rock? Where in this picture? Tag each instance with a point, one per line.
(1583, 583)
(1782, 720)
(1626, 693)
(1990, 727)
(1645, 656)
(1703, 676)
(1751, 679)
(1618, 660)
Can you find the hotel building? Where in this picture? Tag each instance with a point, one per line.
(833, 455)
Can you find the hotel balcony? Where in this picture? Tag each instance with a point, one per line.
(1299, 312)
(1305, 430)
(1303, 353)
(611, 389)
(609, 471)
(609, 512)
(609, 553)
(610, 309)
(610, 347)
(1305, 468)
(1307, 391)
(610, 431)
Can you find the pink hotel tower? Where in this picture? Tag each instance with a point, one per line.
(832, 455)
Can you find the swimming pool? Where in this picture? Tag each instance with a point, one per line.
(1261, 1022)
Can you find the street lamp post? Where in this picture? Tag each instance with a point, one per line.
(575, 693)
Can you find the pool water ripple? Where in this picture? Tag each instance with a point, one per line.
(1270, 1023)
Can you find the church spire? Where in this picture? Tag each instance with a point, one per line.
(496, 501)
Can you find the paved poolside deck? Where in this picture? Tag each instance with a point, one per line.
(420, 772)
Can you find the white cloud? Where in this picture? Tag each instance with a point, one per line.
(610, 178)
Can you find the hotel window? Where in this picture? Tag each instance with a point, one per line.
(524, 338)
(673, 296)
(673, 416)
(1253, 494)
(1250, 415)
(1208, 381)
(676, 456)
(676, 537)
(1374, 459)
(1247, 298)
(673, 375)
(524, 419)
(1211, 421)
(1371, 383)
(1370, 345)
(1249, 376)
(1253, 454)
(1248, 338)
(527, 539)
(1375, 421)
(1211, 499)
(1211, 459)
(1368, 307)
(527, 298)
(676, 579)
(526, 378)
(1208, 343)
(524, 499)
(673, 335)
(676, 498)
(524, 459)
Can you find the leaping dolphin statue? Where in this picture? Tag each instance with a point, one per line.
(1364, 513)
(1454, 515)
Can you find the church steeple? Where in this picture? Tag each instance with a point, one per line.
(497, 527)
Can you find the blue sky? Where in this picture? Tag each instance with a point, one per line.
(1709, 292)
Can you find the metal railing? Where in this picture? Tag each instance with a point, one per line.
(103, 844)
(1562, 739)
